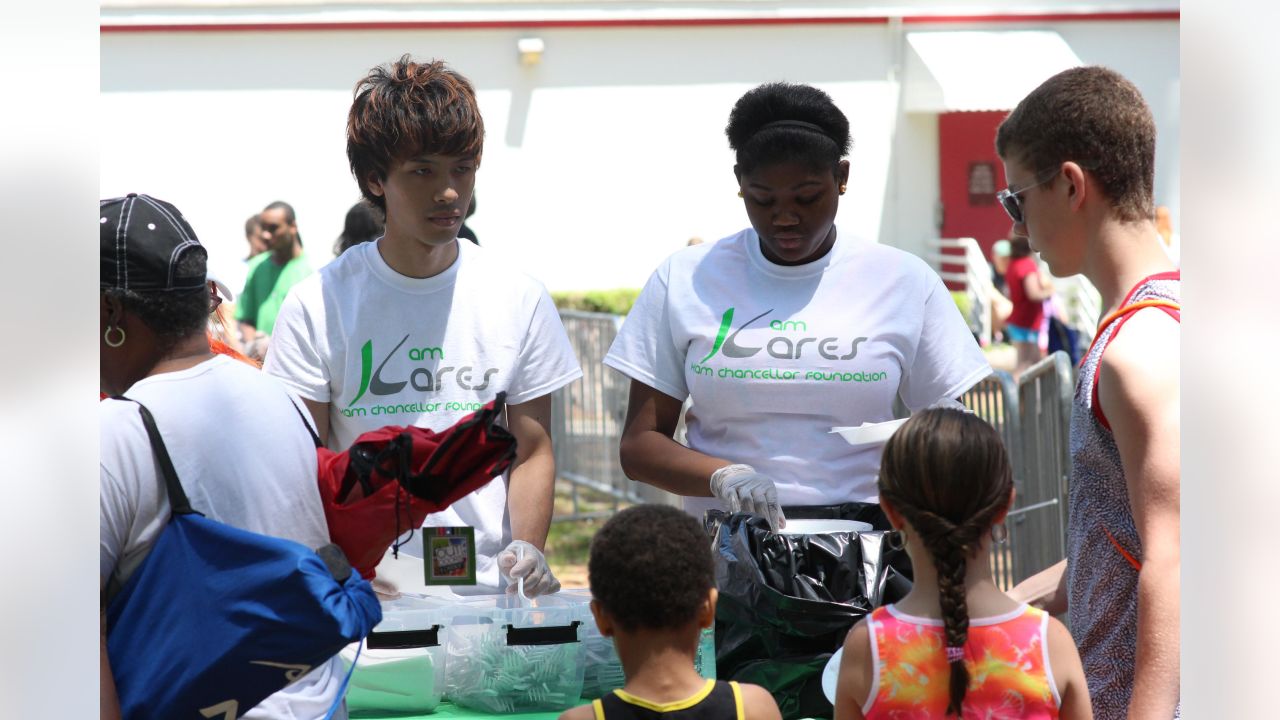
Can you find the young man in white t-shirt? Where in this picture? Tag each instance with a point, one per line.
(417, 328)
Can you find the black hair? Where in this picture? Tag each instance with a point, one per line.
(947, 472)
(362, 224)
(757, 142)
(289, 216)
(650, 567)
(172, 315)
(405, 108)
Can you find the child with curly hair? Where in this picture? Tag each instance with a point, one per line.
(653, 591)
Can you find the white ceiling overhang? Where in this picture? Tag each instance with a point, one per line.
(980, 70)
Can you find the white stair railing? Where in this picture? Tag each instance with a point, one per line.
(976, 279)
(1081, 301)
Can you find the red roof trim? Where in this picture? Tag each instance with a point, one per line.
(492, 24)
(1044, 17)
(620, 23)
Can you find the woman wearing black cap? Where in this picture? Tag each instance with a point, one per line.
(784, 330)
(235, 438)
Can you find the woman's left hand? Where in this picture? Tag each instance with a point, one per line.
(745, 490)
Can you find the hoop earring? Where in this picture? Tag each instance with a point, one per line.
(895, 539)
(999, 534)
(106, 336)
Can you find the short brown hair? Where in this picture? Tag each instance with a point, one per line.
(1092, 116)
(405, 108)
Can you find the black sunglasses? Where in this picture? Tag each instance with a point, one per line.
(1010, 201)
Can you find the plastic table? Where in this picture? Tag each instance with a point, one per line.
(448, 710)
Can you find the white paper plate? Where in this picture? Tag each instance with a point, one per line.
(869, 433)
(814, 527)
(829, 676)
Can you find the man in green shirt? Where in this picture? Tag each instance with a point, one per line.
(270, 279)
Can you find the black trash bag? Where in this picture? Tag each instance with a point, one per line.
(787, 602)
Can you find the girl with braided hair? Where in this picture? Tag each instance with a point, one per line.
(955, 646)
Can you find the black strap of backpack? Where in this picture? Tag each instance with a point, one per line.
(178, 503)
(307, 424)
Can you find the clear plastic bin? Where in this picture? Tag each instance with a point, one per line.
(508, 655)
(402, 665)
(604, 672)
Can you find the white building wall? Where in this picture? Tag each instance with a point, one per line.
(1146, 52)
(598, 162)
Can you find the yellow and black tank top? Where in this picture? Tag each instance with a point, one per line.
(717, 700)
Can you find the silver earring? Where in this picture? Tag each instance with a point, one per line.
(895, 539)
(106, 336)
(999, 534)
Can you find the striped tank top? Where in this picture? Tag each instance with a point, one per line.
(1007, 657)
(1102, 537)
(717, 700)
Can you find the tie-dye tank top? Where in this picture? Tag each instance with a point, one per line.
(1102, 583)
(1007, 657)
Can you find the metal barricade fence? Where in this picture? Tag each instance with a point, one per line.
(587, 416)
(995, 399)
(1038, 523)
(1032, 416)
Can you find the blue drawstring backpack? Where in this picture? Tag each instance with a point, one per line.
(1065, 338)
(218, 618)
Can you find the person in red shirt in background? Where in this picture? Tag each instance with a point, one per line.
(1028, 289)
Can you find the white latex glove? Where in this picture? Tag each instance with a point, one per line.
(538, 579)
(745, 490)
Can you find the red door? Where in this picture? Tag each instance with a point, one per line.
(970, 173)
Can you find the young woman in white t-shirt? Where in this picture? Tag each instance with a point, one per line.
(782, 331)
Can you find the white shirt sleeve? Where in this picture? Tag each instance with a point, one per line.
(645, 349)
(128, 491)
(116, 511)
(546, 361)
(295, 355)
(947, 359)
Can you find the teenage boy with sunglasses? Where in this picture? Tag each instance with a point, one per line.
(416, 328)
(1079, 153)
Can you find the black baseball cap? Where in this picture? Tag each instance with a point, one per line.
(143, 240)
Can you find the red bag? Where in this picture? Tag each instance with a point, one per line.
(390, 479)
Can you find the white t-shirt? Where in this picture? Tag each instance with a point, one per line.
(385, 349)
(775, 356)
(242, 455)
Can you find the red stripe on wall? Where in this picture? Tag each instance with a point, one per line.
(492, 24)
(1043, 17)
(621, 23)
